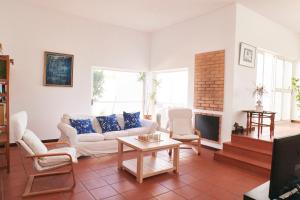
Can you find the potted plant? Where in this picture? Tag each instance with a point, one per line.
(259, 92)
(296, 90)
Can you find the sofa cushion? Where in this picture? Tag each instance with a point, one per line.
(34, 143)
(132, 120)
(138, 131)
(56, 160)
(115, 134)
(83, 126)
(91, 137)
(109, 123)
(120, 119)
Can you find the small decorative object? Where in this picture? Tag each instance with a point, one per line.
(259, 92)
(238, 129)
(154, 137)
(247, 55)
(58, 69)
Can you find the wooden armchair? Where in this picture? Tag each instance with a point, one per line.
(181, 128)
(43, 159)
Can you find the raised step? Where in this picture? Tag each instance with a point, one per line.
(252, 143)
(248, 151)
(256, 166)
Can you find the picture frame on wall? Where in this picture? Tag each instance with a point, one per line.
(247, 55)
(58, 69)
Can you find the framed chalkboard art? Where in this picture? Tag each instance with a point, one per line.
(58, 69)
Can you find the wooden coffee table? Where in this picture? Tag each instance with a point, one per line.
(146, 166)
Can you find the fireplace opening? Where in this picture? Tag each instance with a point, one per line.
(209, 126)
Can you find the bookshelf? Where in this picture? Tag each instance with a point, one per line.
(4, 110)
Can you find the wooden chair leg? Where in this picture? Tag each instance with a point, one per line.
(29, 184)
(170, 152)
(199, 147)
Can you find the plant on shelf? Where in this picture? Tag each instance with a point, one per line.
(296, 90)
(259, 92)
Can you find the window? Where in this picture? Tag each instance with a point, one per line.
(275, 74)
(172, 91)
(116, 91)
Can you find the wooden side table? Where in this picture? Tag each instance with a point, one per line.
(260, 116)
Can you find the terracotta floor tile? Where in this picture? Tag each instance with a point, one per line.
(99, 178)
(93, 183)
(79, 196)
(169, 196)
(116, 197)
(124, 186)
(137, 194)
(173, 184)
(187, 192)
(103, 192)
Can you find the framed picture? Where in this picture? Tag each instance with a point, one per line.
(247, 55)
(58, 69)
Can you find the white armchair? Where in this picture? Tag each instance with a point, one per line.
(43, 159)
(181, 128)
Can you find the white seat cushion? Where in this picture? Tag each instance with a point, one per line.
(57, 160)
(115, 134)
(138, 131)
(90, 137)
(186, 137)
(34, 143)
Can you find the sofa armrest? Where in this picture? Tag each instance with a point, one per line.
(69, 132)
(152, 125)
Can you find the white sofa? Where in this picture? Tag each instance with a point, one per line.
(99, 143)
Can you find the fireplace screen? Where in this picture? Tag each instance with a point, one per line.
(208, 125)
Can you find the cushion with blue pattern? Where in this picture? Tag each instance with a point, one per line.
(83, 126)
(131, 120)
(109, 123)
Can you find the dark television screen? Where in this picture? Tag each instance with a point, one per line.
(208, 125)
(285, 164)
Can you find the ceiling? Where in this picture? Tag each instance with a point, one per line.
(151, 15)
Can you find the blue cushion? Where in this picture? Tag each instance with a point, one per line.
(82, 126)
(132, 120)
(108, 123)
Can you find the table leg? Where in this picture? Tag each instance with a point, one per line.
(176, 160)
(120, 154)
(140, 166)
(248, 123)
(272, 126)
(154, 154)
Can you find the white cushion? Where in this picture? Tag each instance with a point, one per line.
(57, 160)
(138, 131)
(90, 137)
(120, 120)
(182, 126)
(96, 126)
(186, 137)
(34, 143)
(114, 134)
(19, 124)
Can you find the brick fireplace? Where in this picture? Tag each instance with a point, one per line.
(209, 93)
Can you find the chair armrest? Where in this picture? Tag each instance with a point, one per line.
(69, 132)
(51, 155)
(50, 144)
(152, 125)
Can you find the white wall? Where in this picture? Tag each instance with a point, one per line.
(175, 47)
(26, 32)
(257, 30)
